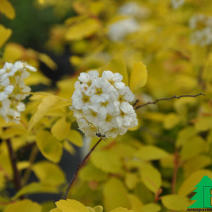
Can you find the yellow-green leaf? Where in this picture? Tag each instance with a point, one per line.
(82, 29)
(151, 177)
(115, 194)
(61, 129)
(151, 207)
(71, 206)
(151, 153)
(4, 35)
(49, 146)
(75, 137)
(138, 76)
(175, 202)
(7, 9)
(135, 203)
(23, 206)
(49, 173)
(121, 210)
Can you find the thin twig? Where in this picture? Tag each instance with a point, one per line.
(12, 156)
(82, 163)
(32, 158)
(167, 98)
(175, 171)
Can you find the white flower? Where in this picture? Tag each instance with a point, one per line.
(201, 26)
(177, 3)
(13, 90)
(118, 30)
(132, 9)
(101, 104)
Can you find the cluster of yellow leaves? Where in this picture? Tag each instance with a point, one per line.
(75, 206)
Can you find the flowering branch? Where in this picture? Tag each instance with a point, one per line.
(166, 99)
(12, 156)
(82, 163)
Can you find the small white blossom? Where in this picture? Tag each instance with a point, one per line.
(177, 3)
(133, 9)
(102, 104)
(118, 30)
(201, 26)
(13, 90)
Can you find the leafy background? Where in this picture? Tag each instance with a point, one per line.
(154, 167)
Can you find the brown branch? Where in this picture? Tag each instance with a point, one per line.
(32, 158)
(166, 99)
(157, 195)
(12, 156)
(175, 171)
(82, 163)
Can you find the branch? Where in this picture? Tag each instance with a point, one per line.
(175, 171)
(32, 158)
(82, 163)
(12, 156)
(166, 99)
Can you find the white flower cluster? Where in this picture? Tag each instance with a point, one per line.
(13, 90)
(177, 3)
(101, 104)
(118, 30)
(202, 30)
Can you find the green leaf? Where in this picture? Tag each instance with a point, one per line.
(151, 153)
(175, 202)
(115, 194)
(23, 206)
(151, 177)
(151, 207)
(138, 76)
(49, 146)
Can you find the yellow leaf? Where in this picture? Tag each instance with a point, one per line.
(71, 206)
(115, 194)
(49, 173)
(203, 123)
(47, 60)
(96, 209)
(151, 207)
(23, 206)
(7, 9)
(46, 103)
(136, 204)
(189, 184)
(75, 137)
(197, 144)
(4, 35)
(151, 177)
(151, 153)
(82, 29)
(34, 188)
(49, 146)
(175, 202)
(13, 52)
(121, 210)
(138, 76)
(131, 180)
(61, 129)
(118, 65)
(171, 120)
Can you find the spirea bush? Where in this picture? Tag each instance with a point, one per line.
(137, 105)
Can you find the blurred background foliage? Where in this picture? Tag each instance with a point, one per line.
(154, 167)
